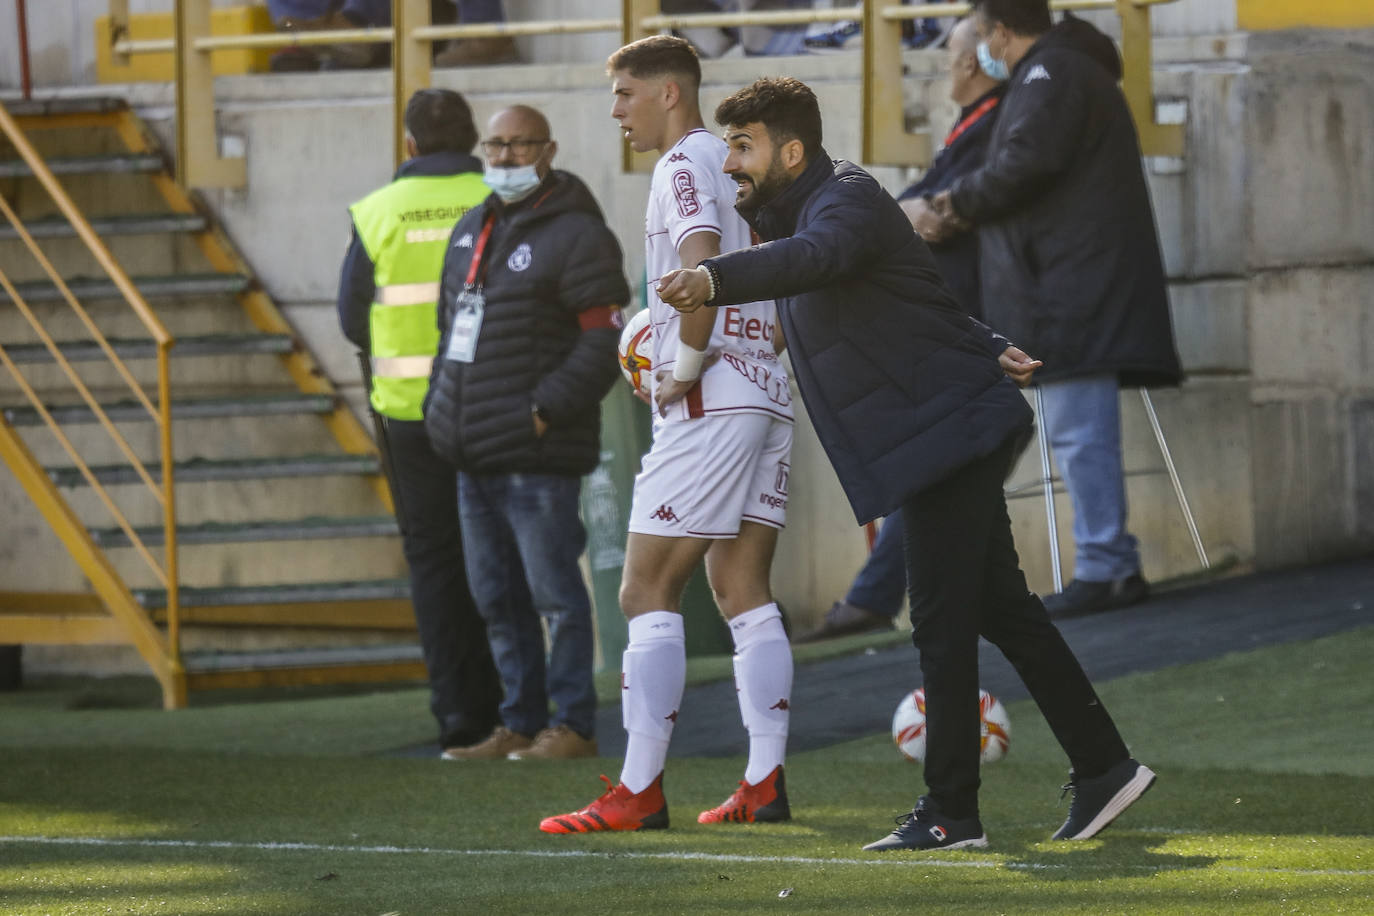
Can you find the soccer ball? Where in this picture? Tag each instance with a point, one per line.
(636, 345)
(909, 726)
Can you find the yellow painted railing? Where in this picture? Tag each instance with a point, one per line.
(885, 139)
(161, 651)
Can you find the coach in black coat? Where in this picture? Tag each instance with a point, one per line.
(1071, 266)
(908, 395)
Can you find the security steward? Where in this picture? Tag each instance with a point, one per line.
(387, 303)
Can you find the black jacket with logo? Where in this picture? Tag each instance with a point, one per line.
(549, 259)
(1071, 267)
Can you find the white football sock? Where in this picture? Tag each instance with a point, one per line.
(763, 681)
(653, 672)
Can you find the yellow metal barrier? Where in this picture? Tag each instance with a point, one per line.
(161, 652)
(885, 140)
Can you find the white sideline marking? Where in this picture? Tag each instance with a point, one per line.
(674, 856)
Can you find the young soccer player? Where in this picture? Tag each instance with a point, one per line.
(722, 406)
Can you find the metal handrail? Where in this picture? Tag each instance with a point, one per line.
(885, 140)
(161, 413)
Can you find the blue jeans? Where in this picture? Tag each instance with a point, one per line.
(522, 537)
(1083, 422)
(880, 585)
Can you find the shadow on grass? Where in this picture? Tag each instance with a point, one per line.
(1121, 855)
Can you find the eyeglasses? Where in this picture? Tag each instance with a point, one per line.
(518, 147)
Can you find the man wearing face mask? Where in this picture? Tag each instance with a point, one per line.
(1071, 266)
(529, 310)
(387, 299)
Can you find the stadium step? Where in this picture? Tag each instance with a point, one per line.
(159, 287)
(263, 405)
(314, 528)
(199, 470)
(143, 348)
(301, 667)
(132, 224)
(312, 592)
(68, 105)
(114, 164)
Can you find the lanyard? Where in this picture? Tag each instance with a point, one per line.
(478, 250)
(988, 105)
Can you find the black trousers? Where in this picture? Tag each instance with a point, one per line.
(464, 689)
(965, 581)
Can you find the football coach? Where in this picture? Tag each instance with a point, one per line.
(917, 407)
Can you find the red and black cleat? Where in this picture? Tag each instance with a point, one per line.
(764, 802)
(617, 809)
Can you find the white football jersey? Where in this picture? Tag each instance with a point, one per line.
(691, 194)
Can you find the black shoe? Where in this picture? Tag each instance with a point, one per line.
(1098, 801)
(1081, 597)
(845, 620)
(926, 828)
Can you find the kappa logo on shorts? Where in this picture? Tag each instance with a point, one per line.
(781, 704)
(665, 514)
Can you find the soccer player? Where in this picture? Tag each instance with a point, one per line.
(722, 402)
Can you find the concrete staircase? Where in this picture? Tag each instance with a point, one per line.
(291, 570)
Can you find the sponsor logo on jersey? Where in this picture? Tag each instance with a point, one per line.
(1038, 72)
(736, 325)
(679, 157)
(771, 384)
(665, 514)
(521, 258)
(685, 190)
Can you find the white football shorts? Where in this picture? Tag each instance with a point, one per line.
(701, 478)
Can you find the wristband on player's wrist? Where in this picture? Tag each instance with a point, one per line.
(689, 360)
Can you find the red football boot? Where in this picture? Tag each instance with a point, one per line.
(617, 809)
(763, 802)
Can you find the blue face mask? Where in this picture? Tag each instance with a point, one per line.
(511, 183)
(994, 68)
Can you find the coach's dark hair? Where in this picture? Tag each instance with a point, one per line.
(440, 121)
(785, 106)
(655, 56)
(1023, 17)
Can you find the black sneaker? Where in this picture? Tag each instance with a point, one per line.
(926, 828)
(1081, 597)
(1098, 801)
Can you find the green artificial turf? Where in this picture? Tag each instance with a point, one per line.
(1265, 804)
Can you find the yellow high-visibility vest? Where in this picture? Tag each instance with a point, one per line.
(405, 228)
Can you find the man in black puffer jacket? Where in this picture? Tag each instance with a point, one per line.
(1071, 266)
(529, 309)
(909, 398)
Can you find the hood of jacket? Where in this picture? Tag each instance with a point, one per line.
(1078, 35)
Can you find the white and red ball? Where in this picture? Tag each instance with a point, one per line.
(909, 726)
(636, 349)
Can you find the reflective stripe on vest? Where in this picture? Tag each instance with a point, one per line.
(401, 366)
(407, 294)
(405, 227)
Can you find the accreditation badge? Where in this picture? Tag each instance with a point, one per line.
(467, 324)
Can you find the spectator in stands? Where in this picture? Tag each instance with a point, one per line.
(1070, 265)
(329, 15)
(756, 41)
(875, 596)
(530, 301)
(475, 52)
(388, 295)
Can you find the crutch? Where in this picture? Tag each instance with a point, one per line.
(1047, 481)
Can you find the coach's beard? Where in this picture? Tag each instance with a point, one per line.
(755, 195)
